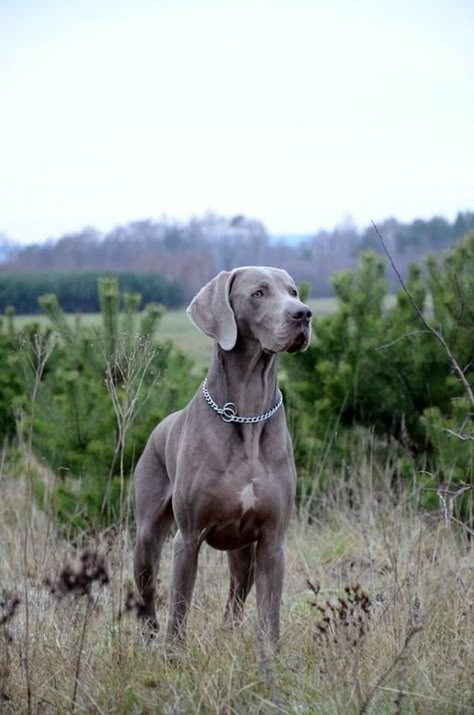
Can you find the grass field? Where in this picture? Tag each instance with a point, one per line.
(176, 326)
(377, 618)
(391, 631)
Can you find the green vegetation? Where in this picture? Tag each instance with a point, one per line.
(92, 408)
(174, 326)
(373, 378)
(11, 385)
(77, 291)
(378, 376)
(378, 589)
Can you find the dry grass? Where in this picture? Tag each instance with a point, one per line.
(403, 641)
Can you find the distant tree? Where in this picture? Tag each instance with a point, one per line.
(190, 253)
(77, 292)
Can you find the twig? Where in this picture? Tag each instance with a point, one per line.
(404, 651)
(436, 333)
(423, 696)
(461, 523)
(79, 654)
(447, 498)
(402, 337)
(463, 437)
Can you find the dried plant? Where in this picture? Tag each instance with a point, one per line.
(78, 580)
(447, 497)
(345, 620)
(9, 603)
(126, 373)
(74, 646)
(35, 351)
(400, 660)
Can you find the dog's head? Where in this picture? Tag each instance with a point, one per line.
(254, 303)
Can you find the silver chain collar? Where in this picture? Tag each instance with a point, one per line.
(229, 411)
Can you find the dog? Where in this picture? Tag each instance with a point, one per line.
(222, 469)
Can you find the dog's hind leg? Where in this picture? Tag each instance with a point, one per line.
(242, 573)
(154, 519)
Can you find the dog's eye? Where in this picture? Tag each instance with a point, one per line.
(257, 294)
(294, 292)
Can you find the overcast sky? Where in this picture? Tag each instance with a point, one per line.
(296, 112)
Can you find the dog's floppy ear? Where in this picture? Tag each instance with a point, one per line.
(210, 311)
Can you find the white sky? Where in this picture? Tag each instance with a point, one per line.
(296, 112)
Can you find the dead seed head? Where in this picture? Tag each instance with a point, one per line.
(9, 603)
(349, 616)
(314, 587)
(78, 580)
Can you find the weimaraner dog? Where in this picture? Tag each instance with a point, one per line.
(222, 468)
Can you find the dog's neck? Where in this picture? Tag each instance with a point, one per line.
(246, 376)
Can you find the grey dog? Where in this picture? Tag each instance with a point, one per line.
(222, 468)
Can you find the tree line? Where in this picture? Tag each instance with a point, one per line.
(77, 292)
(190, 253)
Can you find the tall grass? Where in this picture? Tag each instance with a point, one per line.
(378, 611)
(408, 649)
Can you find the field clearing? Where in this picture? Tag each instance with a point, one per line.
(176, 326)
(409, 649)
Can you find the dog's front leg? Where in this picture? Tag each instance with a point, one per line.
(185, 559)
(270, 568)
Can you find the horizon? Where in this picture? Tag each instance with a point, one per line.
(303, 115)
(291, 237)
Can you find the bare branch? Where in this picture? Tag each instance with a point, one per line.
(464, 526)
(447, 497)
(463, 437)
(412, 631)
(436, 333)
(402, 337)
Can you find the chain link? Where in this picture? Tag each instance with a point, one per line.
(229, 411)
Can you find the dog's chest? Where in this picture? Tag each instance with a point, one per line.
(248, 497)
(244, 500)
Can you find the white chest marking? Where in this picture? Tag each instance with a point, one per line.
(248, 498)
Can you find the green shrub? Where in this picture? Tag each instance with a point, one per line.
(103, 391)
(373, 367)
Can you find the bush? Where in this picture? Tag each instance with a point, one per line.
(101, 394)
(374, 367)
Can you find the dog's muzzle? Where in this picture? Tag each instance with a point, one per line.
(301, 322)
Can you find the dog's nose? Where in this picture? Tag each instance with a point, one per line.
(302, 313)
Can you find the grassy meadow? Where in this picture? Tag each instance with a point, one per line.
(378, 617)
